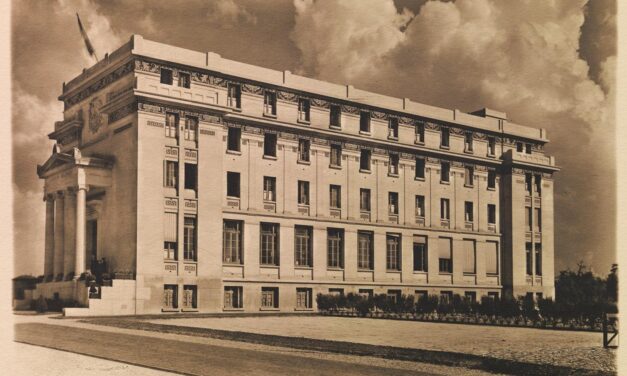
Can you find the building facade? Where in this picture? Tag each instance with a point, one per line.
(205, 184)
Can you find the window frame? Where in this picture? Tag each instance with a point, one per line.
(445, 138)
(304, 110)
(393, 252)
(185, 80)
(368, 207)
(230, 184)
(304, 150)
(335, 155)
(269, 244)
(303, 192)
(335, 116)
(166, 76)
(445, 166)
(365, 158)
(336, 190)
(171, 126)
(236, 297)
(269, 103)
(191, 171)
(421, 166)
(393, 203)
(420, 263)
(233, 237)
(174, 304)
(365, 250)
(365, 119)
(269, 189)
(303, 257)
(270, 145)
(170, 174)
(234, 135)
(234, 96)
(190, 238)
(335, 244)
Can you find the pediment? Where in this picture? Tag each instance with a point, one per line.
(55, 161)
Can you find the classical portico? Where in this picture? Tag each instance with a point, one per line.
(68, 178)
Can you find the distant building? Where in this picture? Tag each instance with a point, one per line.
(199, 183)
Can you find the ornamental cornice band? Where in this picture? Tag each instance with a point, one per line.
(379, 115)
(404, 120)
(100, 84)
(456, 131)
(320, 141)
(433, 160)
(122, 112)
(350, 109)
(432, 126)
(161, 109)
(252, 89)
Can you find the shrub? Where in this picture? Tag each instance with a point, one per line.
(41, 305)
(364, 306)
(381, 302)
(427, 304)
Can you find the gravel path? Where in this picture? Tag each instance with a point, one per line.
(581, 350)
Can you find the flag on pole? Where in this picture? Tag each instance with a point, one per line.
(90, 47)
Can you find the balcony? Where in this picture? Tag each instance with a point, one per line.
(532, 159)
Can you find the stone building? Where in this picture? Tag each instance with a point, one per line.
(205, 184)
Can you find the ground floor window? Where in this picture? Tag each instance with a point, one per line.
(170, 299)
(394, 295)
(366, 293)
(189, 297)
(446, 297)
(471, 296)
(269, 297)
(303, 298)
(493, 295)
(233, 297)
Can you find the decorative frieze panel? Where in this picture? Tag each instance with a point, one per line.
(350, 109)
(321, 103)
(379, 115)
(252, 89)
(191, 155)
(100, 84)
(429, 125)
(191, 206)
(286, 96)
(182, 112)
(172, 152)
(404, 120)
(456, 131)
(171, 204)
(122, 112)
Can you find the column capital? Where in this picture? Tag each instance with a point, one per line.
(79, 187)
(60, 194)
(71, 191)
(49, 197)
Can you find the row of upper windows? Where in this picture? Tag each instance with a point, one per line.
(365, 159)
(335, 198)
(234, 100)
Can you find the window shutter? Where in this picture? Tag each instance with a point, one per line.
(444, 248)
(469, 253)
(170, 227)
(491, 259)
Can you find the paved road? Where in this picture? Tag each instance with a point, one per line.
(187, 357)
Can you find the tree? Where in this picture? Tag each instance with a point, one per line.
(612, 283)
(580, 294)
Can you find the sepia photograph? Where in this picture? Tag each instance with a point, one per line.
(312, 187)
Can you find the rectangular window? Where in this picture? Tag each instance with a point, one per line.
(446, 297)
(269, 103)
(364, 200)
(364, 160)
(444, 141)
(166, 76)
(190, 297)
(527, 148)
(303, 150)
(303, 249)
(191, 128)
(189, 239)
(303, 298)
(233, 297)
(420, 206)
(491, 179)
(335, 248)
(468, 211)
(170, 296)
(493, 295)
(393, 127)
(184, 80)
(393, 169)
(420, 133)
(445, 255)
(234, 96)
(538, 254)
(468, 141)
(470, 259)
(469, 180)
(170, 174)
(234, 139)
(420, 168)
(445, 172)
(336, 155)
(445, 212)
(303, 109)
(335, 196)
(537, 184)
(364, 121)
(393, 252)
(491, 214)
(171, 125)
(303, 192)
(335, 116)
(519, 147)
(492, 258)
(170, 236)
(491, 146)
(393, 203)
(232, 242)
(269, 145)
(366, 293)
(365, 250)
(394, 295)
(528, 218)
(269, 188)
(528, 183)
(233, 184)
(470, 296)
(420, 253)
(269, 246)
(537, 220)
(528, 257)
(191, 176)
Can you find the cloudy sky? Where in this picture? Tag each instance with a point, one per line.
(547, 64)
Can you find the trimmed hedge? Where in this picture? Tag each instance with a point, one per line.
(504, 311)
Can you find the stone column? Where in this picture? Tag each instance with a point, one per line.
(69, 252)
(81, 202)
(49, 248)
(59, 223)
